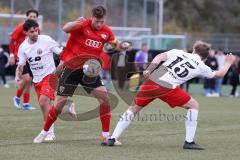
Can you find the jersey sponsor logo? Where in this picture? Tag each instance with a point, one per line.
(35, 59)
(104, 36)
(61, 89)
(93, 43)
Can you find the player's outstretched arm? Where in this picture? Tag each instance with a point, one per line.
(123, 46)
(71, 25)
(155, 62)
(228, 62)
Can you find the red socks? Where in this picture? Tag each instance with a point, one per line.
(105, 117)
(52, 116)
(19, 93)
(26, 98)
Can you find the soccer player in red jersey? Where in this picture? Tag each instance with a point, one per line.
(17, 37)
(86, 42)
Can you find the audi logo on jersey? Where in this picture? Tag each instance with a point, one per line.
(93, 43)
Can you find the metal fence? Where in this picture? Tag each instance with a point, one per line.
(226, 42)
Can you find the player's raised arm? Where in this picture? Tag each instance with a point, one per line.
(228, 62)
(71, 25)
(155, 62)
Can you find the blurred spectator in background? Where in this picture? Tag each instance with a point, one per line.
(141, 60)
(209, 84)
(121, 61)
(220, 56)
(4, 61)
(234, 78)
(105, 74)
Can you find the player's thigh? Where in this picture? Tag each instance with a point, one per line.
(101, 94)
(48, 86)
(27, 74)
(147, 92)
(44, 101)
(135, 108)
(191, 104)
(27, 78)
(68, 82)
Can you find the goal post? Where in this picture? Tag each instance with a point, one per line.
(155, 42)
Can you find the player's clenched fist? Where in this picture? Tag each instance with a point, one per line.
(79, 20)
(146, 74)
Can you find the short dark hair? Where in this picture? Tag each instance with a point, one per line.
(99, 12)
(202, 49)
(29, 24)
(32, 11)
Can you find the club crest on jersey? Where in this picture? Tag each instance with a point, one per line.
(104, 36)
(61, 89)
(39, 51)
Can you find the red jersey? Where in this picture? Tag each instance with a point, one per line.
(17, 37)
(85, 40)
(106, 61)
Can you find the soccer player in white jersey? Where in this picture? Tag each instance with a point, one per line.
(38, 51)
(162, 82)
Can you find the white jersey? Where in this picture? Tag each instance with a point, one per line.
(39, 55)
(181, 67)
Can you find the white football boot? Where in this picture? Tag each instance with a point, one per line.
(41, 137)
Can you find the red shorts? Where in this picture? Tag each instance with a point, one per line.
(46, 86)
(150, 91)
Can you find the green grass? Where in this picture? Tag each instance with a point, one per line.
(218, 131)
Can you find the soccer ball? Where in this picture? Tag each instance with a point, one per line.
(92, 68)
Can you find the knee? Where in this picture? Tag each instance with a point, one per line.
(104, 99)
(195, 105)
(60, 102)
(134, 108)
(28, 80)
(43, 102)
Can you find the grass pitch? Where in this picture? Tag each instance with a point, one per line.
(158, 132)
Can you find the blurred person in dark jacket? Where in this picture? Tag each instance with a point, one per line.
(234, 78)
(209, 84)
(4, 61)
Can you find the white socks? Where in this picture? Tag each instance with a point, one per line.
(191, 124)
(105, 134)
(123, 123)
(51, 129)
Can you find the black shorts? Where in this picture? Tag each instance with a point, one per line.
(70, 79)
(27, 70)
